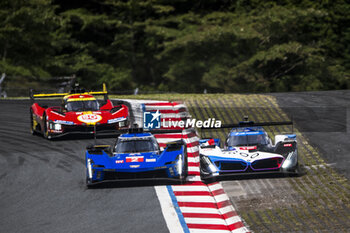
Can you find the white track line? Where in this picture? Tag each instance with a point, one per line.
(168, 210)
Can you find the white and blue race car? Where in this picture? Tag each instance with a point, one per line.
(249, 150)
(136, 155)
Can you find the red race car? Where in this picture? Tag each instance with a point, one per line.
(79, 113)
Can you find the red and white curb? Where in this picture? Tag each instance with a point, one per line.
(194, 206)
(206, 208)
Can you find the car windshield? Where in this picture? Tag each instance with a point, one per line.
(77, 106)
(247, 140)
(136, 145)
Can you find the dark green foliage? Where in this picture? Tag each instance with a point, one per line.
(184, 46)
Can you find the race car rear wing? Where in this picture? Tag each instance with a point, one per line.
(116, 133)
(96, 146)
(75, 90)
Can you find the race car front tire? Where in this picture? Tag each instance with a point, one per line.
(183, 178)
(32, 127)
(297, 170)
(89, 182)
(46, 133)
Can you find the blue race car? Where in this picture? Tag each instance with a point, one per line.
(249, 150)
(136, 156)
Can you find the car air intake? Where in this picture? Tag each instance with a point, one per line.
(135, 175)
(284, 148)
(267, 164)
(231, 166)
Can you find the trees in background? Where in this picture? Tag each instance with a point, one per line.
(27, 35)
(178, 45)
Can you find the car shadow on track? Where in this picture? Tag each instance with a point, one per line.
(131, 183)
(73, 137)
(111, 184)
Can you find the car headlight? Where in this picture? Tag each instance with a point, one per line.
(211, 166)
(122, 123)
(179, 164)
(286, 164)
(57, 126)
(291, 160)
(89, 167)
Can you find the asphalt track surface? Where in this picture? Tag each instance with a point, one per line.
(324, 118)
(43, 185)
(42, 182)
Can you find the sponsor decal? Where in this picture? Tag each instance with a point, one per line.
(150, 160)
(119, 161)
(80, 98)
(55, 131)
(160, 167)
(252, 156)
(134, 166)
(134, 159)
(64, 122)
(229, 152)
(89, 118)
(288, 145)
(116, 120)
(248, 148)
(246, 132)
